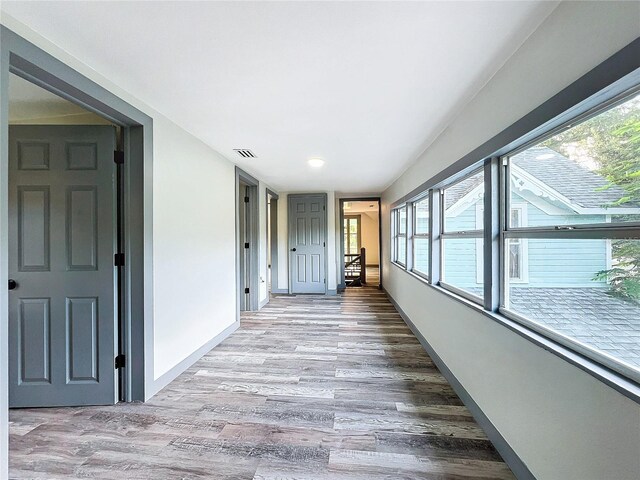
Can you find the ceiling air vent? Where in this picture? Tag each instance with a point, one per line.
(244, 152)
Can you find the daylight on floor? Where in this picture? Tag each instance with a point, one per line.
(372, 240)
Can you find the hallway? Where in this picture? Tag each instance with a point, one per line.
(309, 387)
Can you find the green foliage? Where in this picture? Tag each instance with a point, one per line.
(612, 140)
(624, 277)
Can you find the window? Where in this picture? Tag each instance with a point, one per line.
(571, 253)
(352, 234)
(518, 252)
(420, 236)
(565, 224)
(399, 234)
(462, 237)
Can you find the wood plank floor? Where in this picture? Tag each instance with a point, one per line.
(310, 387)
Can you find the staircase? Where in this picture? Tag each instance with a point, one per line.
(355, 271)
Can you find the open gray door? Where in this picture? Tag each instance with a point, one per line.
(307, 243)
(61, 265)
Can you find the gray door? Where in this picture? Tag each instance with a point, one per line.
(61, 247)
(307, 243)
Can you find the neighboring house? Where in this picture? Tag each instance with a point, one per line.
(573, 194)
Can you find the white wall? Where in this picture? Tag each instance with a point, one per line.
(194, 244)
(561, 421)
(370, 237)
(193, 225)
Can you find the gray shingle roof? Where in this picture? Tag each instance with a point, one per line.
(589, 315)
(580, 185)
(459, 190)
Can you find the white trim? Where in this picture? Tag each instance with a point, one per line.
(544, 191)
(524, 244)
(543, 197)
(608, 248)
(464, 202)
(479, 244)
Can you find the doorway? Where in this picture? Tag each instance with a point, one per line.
(35, 246)
(360, 242)
(247, 241)
(272, 242)
(63, 233)
(308, 243)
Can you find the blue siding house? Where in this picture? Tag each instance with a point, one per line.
(574, 194)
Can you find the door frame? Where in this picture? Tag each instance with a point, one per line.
(272, 227)
(341, 215)
(254, 269)
(326, 240)
(22, 58)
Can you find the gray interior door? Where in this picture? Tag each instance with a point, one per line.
(307, 243)
(61, 247)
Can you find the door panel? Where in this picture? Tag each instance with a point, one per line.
(34, 341)
(61, 245)
(82, 338)
(307, 224)
(33, 229)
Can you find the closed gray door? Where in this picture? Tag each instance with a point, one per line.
(61, 247)
(307, 243)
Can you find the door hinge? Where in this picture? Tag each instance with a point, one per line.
(120, 361)
(246, 290)
(246, 199)
(324, 244)
(246, 245)
(324, 208)
(118, 157)
(118, 259)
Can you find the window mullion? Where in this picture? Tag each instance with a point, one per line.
(435, 223)
(613, 232)
(491, 220)
(410, 229)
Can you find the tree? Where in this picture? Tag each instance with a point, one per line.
(611, 140)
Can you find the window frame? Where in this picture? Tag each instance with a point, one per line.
(580, 231)
(476, 233)
(358, 219)
(414, 235)
(610, 83)
(396, 236)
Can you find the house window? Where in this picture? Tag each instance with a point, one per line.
(462, 236)
(352, 234)
(517, 258)
(399, 235)
(420, 237)
(580, 190)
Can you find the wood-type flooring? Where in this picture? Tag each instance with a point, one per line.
(310, 387)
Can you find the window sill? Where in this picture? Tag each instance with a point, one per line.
(399, 265)
(615, 380)
(420, 275)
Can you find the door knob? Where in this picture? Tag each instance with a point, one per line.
(293, 249)
(12, 284)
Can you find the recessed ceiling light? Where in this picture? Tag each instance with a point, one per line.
(315, 162)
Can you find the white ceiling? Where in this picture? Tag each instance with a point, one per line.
(360, 207)
(365, 86)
